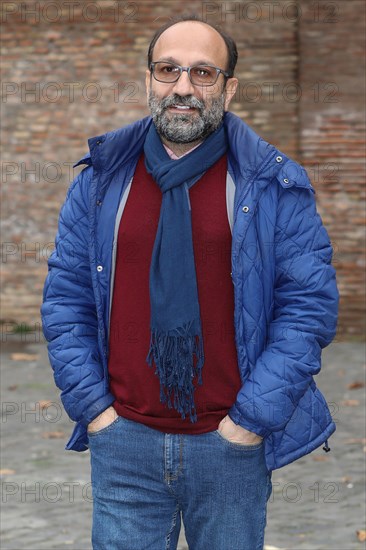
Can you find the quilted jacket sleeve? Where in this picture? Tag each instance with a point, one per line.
(304, 318)
(69, 313)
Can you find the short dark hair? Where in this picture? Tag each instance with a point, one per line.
(230, 44)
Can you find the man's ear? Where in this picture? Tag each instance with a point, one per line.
(147, 82)
(230, 89)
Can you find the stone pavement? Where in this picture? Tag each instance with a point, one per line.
(317, 502)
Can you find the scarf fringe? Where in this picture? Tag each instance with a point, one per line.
(174, 356)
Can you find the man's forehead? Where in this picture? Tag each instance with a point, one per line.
(191, 37)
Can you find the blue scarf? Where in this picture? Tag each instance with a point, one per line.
(176, 345)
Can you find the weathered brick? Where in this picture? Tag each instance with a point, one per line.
(279, 53)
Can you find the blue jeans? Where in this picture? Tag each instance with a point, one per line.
(144, 481)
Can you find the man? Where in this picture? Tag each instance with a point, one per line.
(189, 245)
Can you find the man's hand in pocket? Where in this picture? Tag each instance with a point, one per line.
(236, 434)
(103, 420)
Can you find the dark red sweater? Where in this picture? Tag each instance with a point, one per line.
(132, 381)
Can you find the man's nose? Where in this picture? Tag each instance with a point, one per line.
(183, 86)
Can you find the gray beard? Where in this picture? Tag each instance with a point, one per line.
(181, 128)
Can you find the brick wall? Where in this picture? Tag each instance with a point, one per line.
(332, 140)
(74, 69)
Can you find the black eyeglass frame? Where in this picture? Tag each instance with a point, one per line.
(188, 70)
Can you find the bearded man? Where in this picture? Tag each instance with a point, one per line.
(188, 299)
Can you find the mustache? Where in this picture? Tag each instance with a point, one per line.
(187, 101)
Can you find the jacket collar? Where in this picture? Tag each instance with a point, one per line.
(111, 149)
(248, 152)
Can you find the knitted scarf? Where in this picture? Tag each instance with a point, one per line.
(176, 345)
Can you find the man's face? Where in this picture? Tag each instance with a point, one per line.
(187, 44)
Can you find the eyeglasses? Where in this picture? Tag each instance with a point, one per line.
(199, 75)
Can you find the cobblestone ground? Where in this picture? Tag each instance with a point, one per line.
(317, 502)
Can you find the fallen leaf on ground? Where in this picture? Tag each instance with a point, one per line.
(320, 458)
(24, 356)
(6, 472)
(354, 440)
(361, 535)
(44, 404)
(53, 435)
(356, 385)
(345, 479)
(13, 387)
(350, 402)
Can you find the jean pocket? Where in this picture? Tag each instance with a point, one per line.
(106, 429)
(240, 446)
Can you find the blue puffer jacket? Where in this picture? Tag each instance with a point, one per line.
(286, 297)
